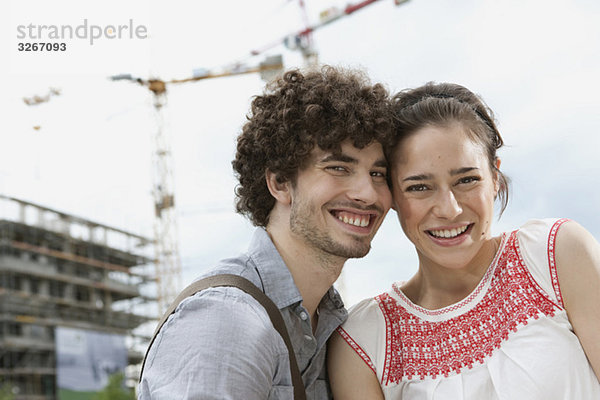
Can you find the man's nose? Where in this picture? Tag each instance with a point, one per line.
(363, 190)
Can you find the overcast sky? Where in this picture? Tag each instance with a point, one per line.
(534, 62)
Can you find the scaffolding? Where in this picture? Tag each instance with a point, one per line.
(59, 270)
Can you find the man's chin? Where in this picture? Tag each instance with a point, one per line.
(356, 250)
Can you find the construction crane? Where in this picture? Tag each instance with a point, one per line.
(37, 100)
(167, 260)
(305, 42)
(302, 40)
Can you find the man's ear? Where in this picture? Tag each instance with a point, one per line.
(279, 190)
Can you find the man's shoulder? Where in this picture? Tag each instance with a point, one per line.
(228, 300)
(214, 332)
(215, 310)
(242, 265)
(227, 307)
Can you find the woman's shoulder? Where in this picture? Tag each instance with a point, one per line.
(366, 309)
(546, 234)
(576, 247)
(540, 226)
(537, 237)
(365, 320)
(365, 332)
(537, 240)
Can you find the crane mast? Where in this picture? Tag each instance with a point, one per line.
(167, 259)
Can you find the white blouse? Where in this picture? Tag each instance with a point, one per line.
(509, 339)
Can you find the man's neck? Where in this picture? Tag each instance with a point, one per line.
(313, 271)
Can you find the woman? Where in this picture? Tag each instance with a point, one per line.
(510, 317)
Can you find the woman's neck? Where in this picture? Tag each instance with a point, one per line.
(435, 286)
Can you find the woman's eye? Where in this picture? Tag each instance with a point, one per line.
(468, 179)
(416, 188)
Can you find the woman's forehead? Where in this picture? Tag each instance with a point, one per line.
(439, 145)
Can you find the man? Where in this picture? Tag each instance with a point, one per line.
(312, 178)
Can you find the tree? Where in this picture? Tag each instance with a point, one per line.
(115, 390)
(6, 392)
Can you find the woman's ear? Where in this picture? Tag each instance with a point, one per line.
(279, 190)
(497, 176)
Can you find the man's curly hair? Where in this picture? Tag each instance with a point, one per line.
(321, 107)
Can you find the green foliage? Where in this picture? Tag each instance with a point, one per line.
(6, 393)
(115, 390)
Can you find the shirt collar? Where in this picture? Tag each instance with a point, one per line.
(332, 299)
(277, 279)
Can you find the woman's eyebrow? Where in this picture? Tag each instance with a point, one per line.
(424, 177)
(462, 170)
(421, 177)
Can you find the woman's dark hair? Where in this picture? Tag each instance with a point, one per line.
(440, 104)
(297, 112)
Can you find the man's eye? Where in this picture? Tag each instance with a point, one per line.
(378, 174)
(337, 168)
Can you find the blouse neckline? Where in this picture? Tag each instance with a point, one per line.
(460, 306)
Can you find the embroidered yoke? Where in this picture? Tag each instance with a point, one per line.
(509, 339)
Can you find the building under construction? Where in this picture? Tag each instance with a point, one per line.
(58, 271)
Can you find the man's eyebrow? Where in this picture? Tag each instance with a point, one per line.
(382, 162)
(339, 157)
(462, 170)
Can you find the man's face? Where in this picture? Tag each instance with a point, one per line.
(339, 200)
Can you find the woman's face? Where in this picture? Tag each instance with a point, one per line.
(444, 192)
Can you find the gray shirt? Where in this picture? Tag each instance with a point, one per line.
(221, 344)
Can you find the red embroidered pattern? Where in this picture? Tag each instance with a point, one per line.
(552, 259)
(419, 348)
(461, 303)
(356, 348)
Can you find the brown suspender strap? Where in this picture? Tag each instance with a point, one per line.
(266, 302)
